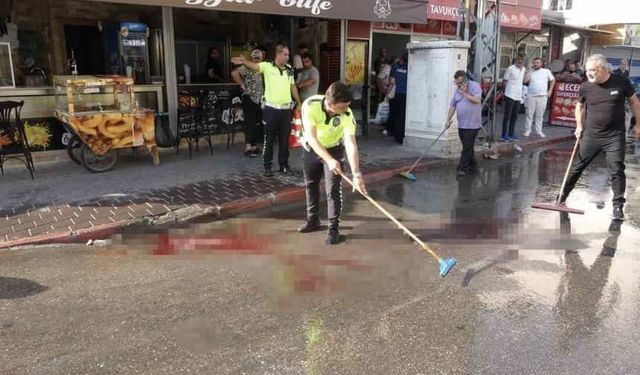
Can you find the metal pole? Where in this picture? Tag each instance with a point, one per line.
(170, 70)
(496, 67)
(466, 20)
(343, 42)
(459, 20)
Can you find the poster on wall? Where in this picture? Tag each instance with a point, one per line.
(632, 35)
(7, 79)
(355, 55)
(43, 134)
(563, 104)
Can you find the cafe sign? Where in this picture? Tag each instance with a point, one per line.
(368, 10)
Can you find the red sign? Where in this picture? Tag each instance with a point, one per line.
(563, 104)
(431, 27)
(446, 10)
(391, 26)
(449, 28)
(520, 17)
(521, 14)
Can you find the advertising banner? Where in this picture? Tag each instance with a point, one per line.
(563, 104)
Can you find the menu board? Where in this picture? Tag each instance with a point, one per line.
(201, 108)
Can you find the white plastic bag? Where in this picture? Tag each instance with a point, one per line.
(382, 114)
(392, 93)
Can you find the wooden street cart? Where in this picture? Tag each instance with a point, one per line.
(102, 114)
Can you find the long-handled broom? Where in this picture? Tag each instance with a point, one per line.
(558, 205)
(445, 264)
(410, 176)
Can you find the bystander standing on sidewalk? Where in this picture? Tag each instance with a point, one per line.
(252, 86)
(466, 104)
(513, 80)
(308, 79)
(330, 132)
(398, 104)
(541, 83)
(623, 71)
(296, 61)
(279, 90)
(570, 73)
(601, 101)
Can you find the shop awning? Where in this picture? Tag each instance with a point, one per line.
(405, 11)
(577, 28)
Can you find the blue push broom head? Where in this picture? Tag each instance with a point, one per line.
(446, 265)
(408, 176)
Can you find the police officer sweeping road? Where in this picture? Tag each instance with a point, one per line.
(279, 88)
(329, 132)
(604, 96)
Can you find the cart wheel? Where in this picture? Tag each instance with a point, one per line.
(98, 164)
(74, 146)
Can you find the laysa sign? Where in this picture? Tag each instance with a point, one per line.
(368, 10)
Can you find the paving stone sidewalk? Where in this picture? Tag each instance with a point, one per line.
(237, 190)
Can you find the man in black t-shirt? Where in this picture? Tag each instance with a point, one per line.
(604, 96)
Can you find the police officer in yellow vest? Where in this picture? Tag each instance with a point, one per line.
(279, 88)
(329, 132)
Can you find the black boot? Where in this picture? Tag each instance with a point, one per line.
(268, 172)
(285, 169)
(618, 214)
(312, 224)
(333, 235)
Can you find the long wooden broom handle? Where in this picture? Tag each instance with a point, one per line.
(399, 224)
(426, 152)
(566, 174)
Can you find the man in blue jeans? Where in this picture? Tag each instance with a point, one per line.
(513, 80)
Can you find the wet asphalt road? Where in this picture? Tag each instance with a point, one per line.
(533, 293)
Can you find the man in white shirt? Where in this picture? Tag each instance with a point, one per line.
(541, 83)
(513, 80)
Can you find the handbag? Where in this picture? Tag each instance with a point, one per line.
(163, 133)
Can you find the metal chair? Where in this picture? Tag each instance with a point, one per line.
(13, 139)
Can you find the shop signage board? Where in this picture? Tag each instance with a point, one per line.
(517, 14)
(445, 10)
(521, 14)
(563, 104)
(370, 10)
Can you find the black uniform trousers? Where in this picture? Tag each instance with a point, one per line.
(613, 147)
(398, 108)
(277, 125)
(314, 169)
(252, 120)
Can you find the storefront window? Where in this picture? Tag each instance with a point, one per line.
(50, 35)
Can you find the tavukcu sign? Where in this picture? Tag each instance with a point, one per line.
(405, 11)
